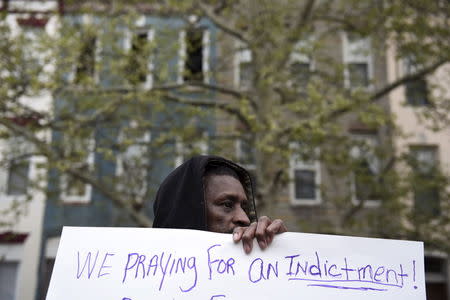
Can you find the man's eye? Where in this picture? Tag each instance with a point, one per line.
(227, 204)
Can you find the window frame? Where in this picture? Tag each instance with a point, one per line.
(86, 197)
(301, 58)
(86, 19)
(295, 163)
(119, 171)
(354, 53)
(150, 32)
(409, 68)
(5, 171)
(366, 137)
(181, 151)
(182, 55)
(241, 56)
(417, 172)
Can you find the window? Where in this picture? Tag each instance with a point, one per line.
(301, 72)
(8, 279)
(133, 165)
(436, 275)
(18, 177)
(245, 153)
(243, 73)
(140, 66)
(184, 151)
(423, 160)
(416, 91)
(194, 54)
(358, 61)
(301, 66)
(305, 180)
(85, 67)
(51, 247)
(15, 169)
(365, 177)
(81, 153)
(358, 74)
(12, 255)
(87, 50)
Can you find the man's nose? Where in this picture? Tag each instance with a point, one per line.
(241, 218)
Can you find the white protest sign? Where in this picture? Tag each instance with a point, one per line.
(144, 264)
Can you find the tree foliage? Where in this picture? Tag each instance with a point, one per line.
(283, 111)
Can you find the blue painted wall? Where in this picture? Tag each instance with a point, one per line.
(100, 211)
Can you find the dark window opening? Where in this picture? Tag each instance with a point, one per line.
(434, 264)
(245, 75)
(139, 56)
(358, 74)
(416, 92)
(18, 177)
(75, 187)
(86, 63)
(47, 274)
(193, 68)
(305, 184)
(300, 75)
(366, 182)
(426, 189)
(246, 152)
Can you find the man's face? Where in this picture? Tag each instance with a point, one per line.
(226, 203)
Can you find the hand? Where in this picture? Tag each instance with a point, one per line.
(264, 230)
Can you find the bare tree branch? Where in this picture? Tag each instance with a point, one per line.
(376, 96)
(292, 38)
(212, 87)
(222, 24)
(212, 104)
(140, 218)
(425, 71)
(51, 154)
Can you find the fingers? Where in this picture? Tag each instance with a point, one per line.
(248, 236)
(264, 231)
(237, 233)
(277, 226)
(262, 236)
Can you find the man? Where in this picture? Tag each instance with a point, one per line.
(214, 194)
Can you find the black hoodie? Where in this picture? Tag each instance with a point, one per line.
(180, 201)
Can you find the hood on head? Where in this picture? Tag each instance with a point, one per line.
(180, 201)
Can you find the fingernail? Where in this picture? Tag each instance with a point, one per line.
(235, 236)
(262, 244)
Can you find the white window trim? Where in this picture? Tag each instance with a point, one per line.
(79, 199)
(149, 80)
(182, 53)
(301, 58)
(349, 56)
(12, 252)
(240, 56)
(296, 164)
(146, 138)
(51, 247)
(355, 200)
(4, 175)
